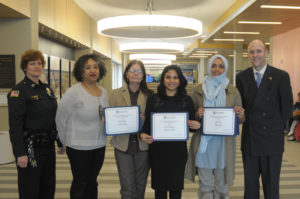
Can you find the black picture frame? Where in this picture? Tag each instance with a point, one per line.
(7, 71)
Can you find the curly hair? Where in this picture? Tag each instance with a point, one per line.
(79, 65)
(181, 91)
(31, 55)
(143, 84)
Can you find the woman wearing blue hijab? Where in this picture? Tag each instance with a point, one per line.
(214, 156)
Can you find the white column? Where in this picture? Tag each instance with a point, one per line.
(234, 66)
(201, 70)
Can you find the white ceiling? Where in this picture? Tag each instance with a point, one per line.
(207, 11)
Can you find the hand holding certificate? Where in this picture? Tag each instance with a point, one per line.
(122, 120)
(169, 126)
(220, 121)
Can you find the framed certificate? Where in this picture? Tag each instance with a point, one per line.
(220, 121)
(122, 120)
(169, 126)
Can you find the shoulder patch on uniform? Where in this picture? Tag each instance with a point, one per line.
(14, 93)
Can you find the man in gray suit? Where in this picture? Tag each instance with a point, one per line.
(267, 99)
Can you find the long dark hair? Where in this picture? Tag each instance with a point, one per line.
(143, 84)
(161, 89)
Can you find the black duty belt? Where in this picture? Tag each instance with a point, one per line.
(37, 139)
(41, 137)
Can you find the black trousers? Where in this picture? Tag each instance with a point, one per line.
(38, 182)
(85, 166)
(160, 194)
(269, 168)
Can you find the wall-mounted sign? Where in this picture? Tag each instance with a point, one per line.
(7, 71)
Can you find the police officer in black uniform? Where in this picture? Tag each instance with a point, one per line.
(32, 107)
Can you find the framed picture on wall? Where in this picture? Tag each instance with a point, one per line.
(7, 71)
(73, 80)
(188, 74)
(54, 66)
(44, 76)
(65, 75)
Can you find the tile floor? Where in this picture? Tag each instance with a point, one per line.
(109, 183)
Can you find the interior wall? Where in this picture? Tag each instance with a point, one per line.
(101, 43)
(116, 55)
(20, 6)
(286, 51)
(54, 48)
(15, 39)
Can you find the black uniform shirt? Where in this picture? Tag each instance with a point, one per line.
(32, 107)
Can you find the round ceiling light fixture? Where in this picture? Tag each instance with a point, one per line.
(149, 26)
(156, 62)
(151, 47)
(152, 56)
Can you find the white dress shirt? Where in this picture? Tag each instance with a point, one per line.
(262, 72)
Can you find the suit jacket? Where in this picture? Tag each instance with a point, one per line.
(121, 97)
(266, 110)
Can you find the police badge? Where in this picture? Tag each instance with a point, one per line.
(48, 91)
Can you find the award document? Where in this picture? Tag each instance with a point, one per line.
(219, 121)
(169, 126)
(122, 120)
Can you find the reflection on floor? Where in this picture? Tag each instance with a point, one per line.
(109, 182)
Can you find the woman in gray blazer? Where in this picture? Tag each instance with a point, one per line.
(130, 152)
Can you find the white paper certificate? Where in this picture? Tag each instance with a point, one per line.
(218, 121)
(169, 126)
(121, 120)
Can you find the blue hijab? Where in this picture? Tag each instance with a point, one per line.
(214, 93)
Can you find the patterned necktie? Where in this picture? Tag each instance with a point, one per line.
(258, 80)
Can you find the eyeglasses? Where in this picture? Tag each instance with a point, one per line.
(133, 71)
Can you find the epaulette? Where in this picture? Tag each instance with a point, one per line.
(19, 85)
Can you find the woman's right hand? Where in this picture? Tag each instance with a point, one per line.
(61, 150)
(22, 161)
(146, 138)
(200, 112)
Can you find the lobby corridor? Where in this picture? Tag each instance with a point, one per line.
(109, 182)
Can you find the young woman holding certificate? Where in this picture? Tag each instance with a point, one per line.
(214, 156)
(168, 158)
(80, 127)
(130, 152)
